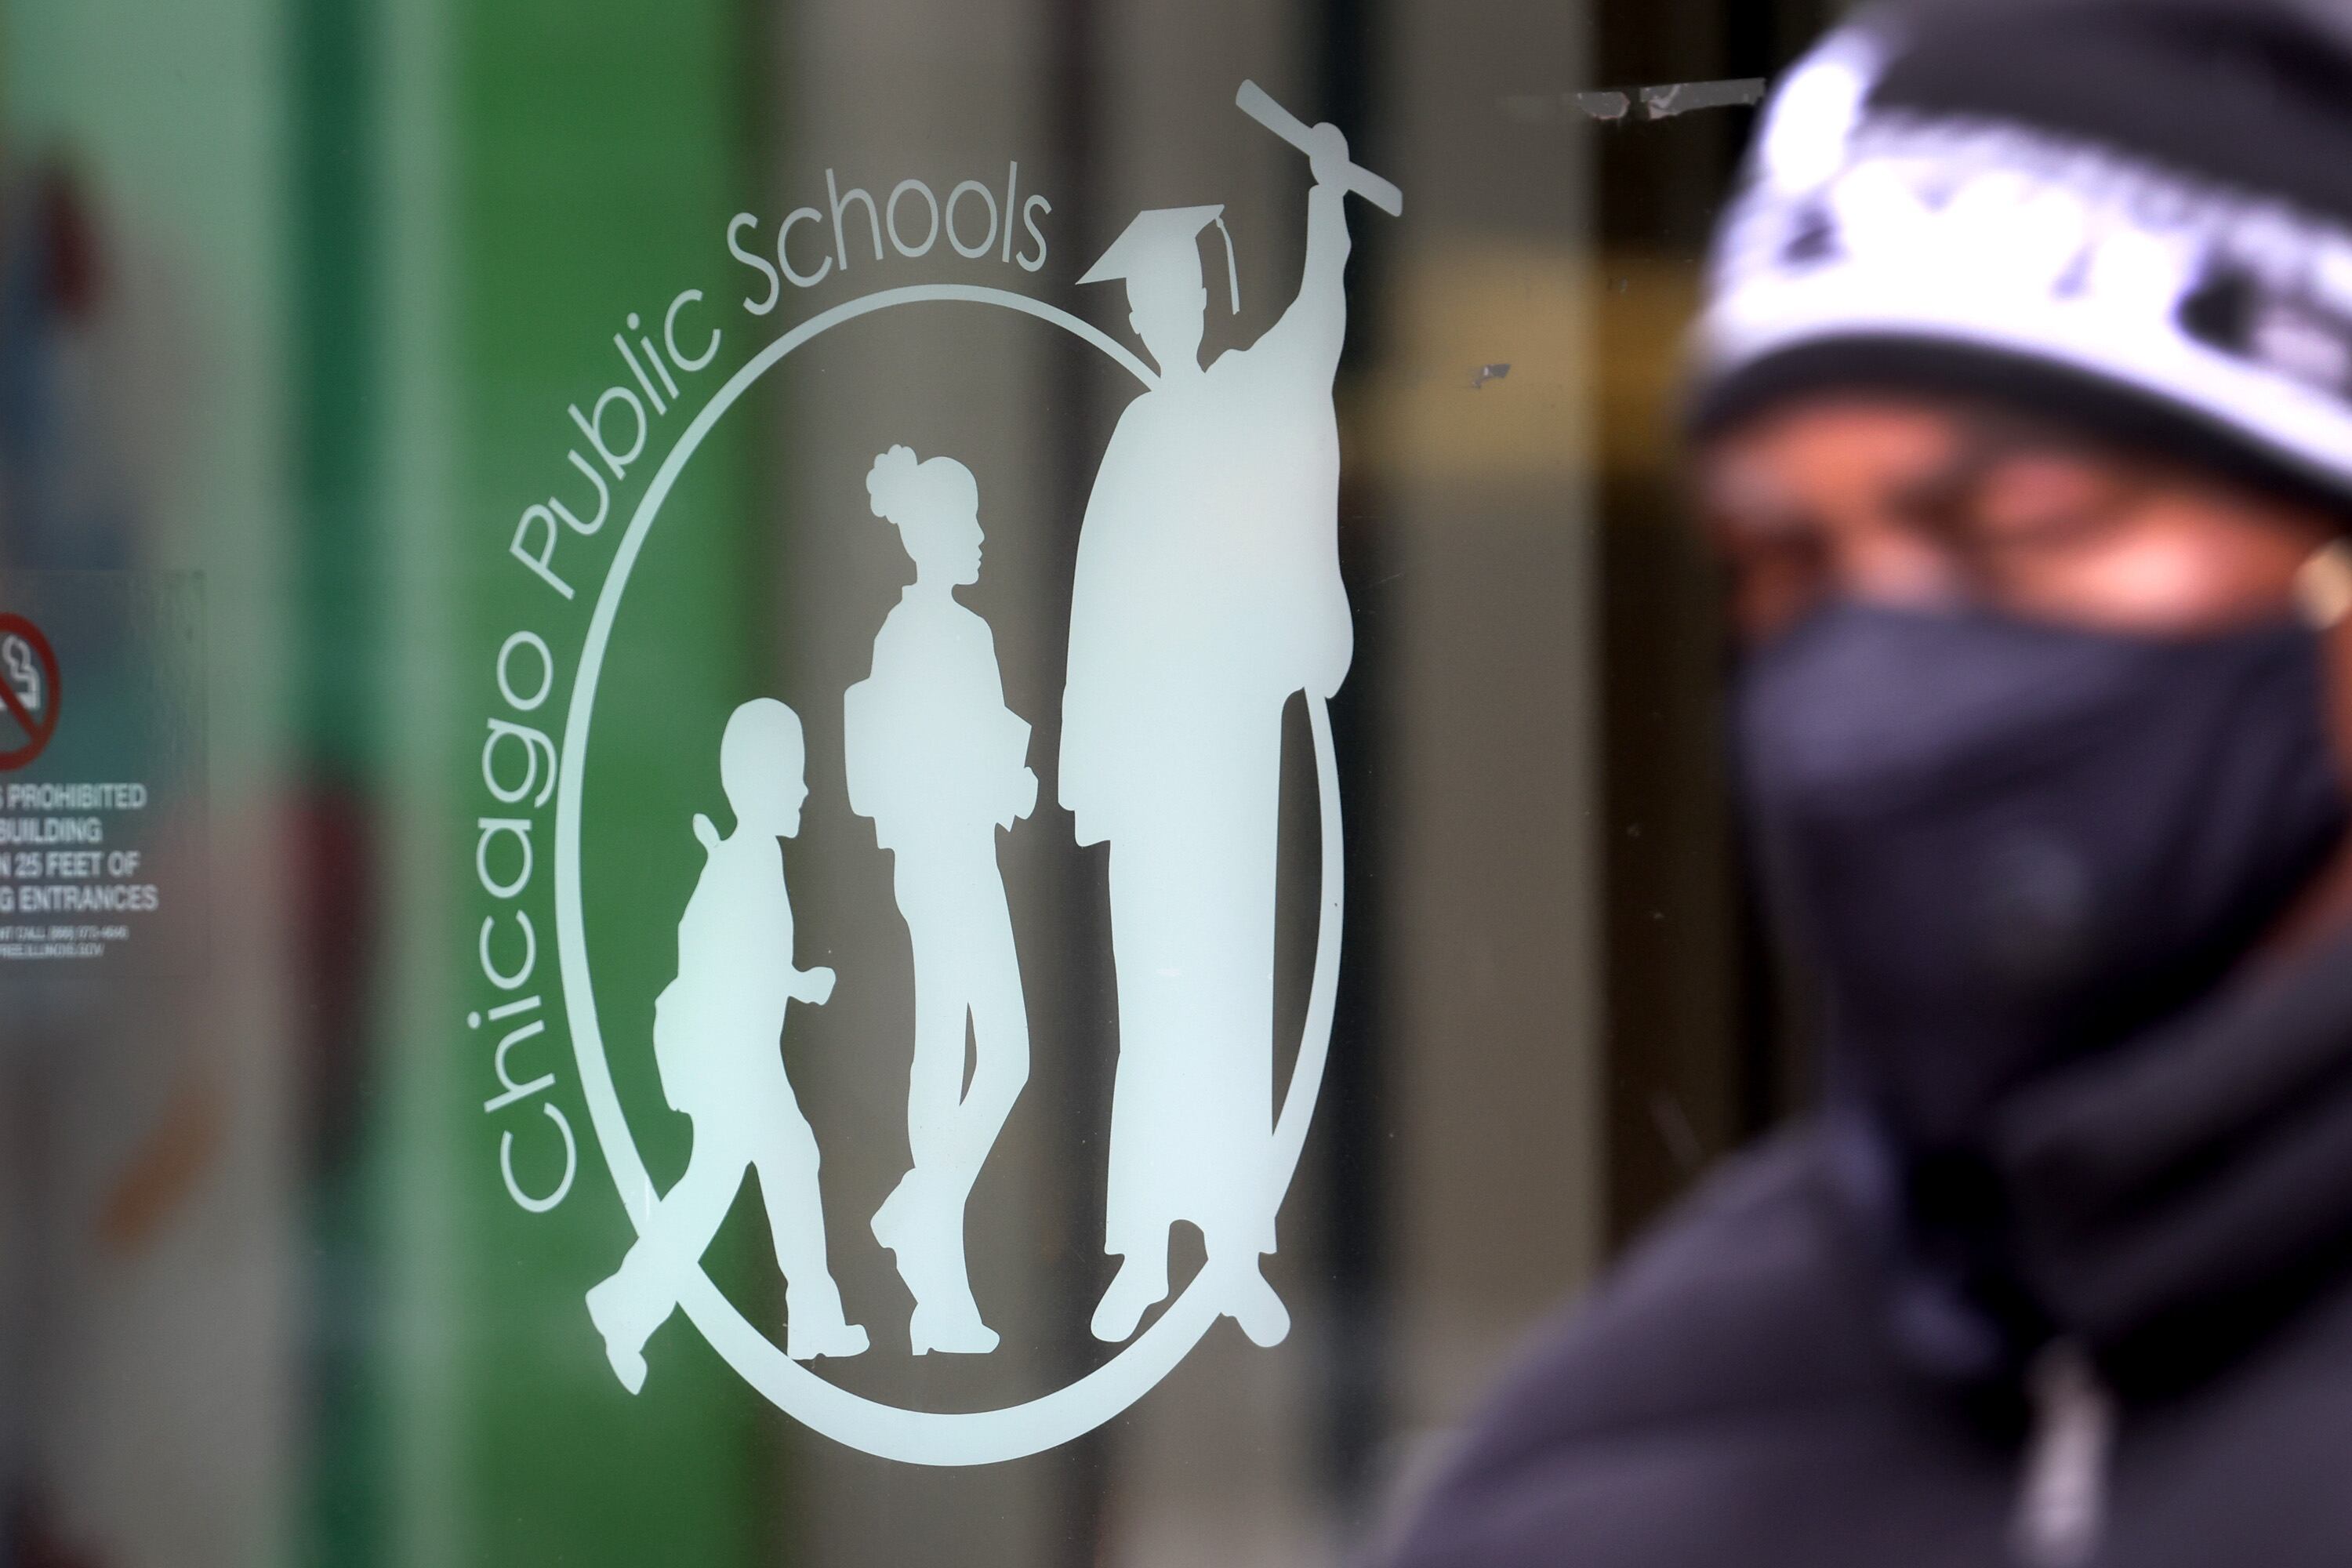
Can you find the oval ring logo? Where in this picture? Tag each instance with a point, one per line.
(890, 1431)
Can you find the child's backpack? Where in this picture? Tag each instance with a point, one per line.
(670, 1048)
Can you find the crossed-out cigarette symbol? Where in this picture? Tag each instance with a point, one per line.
(29, 690)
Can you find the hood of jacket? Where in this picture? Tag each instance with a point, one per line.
(2162, 1204)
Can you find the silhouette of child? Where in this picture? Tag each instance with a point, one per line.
(718, 1031)
(937, 760)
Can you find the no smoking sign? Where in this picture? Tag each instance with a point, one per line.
(29, 691)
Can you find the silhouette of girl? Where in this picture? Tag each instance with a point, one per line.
(938, 763)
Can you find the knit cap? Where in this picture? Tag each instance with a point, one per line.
(2132, 215)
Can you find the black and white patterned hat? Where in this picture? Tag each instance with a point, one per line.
(2136, 215)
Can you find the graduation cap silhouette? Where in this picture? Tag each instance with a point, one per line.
(1164, 243)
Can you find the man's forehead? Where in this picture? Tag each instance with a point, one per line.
(1859, 423)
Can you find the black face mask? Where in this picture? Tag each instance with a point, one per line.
(2007, 845)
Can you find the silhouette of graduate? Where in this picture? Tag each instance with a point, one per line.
(1207, 594)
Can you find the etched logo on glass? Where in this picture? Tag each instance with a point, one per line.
(1205, 596)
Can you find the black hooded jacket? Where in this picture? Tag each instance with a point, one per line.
(1777, 1377)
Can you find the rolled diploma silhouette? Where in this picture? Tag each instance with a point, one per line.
(1252, 101)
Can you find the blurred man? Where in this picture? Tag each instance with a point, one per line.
(2024, 408)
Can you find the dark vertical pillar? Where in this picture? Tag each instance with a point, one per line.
(336, 695)
(1353, 1118)
(1699, 1059)
(1083, 979)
